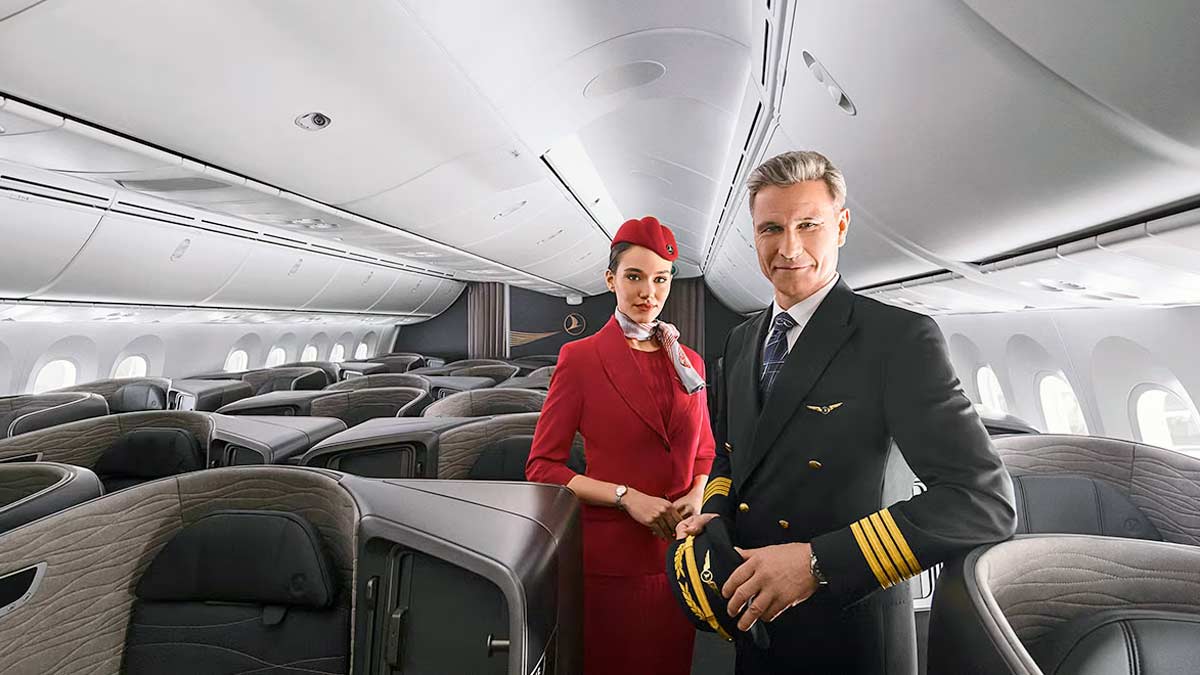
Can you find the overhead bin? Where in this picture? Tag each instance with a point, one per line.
(409, 292)
(355, 287)
(276, 276)
(44, 223)
(441, 298)
(132, 258)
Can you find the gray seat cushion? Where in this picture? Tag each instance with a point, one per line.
(137, 397)
(1064, 504)
(146, 454)
(1123, 642)
(240, 592)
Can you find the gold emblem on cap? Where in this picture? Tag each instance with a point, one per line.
(706, 575)
(825, 409)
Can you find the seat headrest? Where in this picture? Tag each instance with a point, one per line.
(137, 397)
(1066, 504)
(151, 452)
(502, 460)
(260, 557)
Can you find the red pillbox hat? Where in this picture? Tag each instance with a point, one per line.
(650, 233)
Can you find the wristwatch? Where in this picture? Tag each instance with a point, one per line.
(621, 490)
(815, 570)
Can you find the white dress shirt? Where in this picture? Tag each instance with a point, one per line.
(802, 312)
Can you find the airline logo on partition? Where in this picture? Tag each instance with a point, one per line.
(574, 324)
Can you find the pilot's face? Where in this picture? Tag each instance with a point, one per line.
(797, 233)
(641, 284)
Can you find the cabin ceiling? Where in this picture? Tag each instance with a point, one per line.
(981, 127)
(440, 114)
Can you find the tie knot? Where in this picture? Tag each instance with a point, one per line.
(784, 322)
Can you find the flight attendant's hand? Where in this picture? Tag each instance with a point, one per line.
(657, 514)
(772, 579)
(693, 526)
(690, 504)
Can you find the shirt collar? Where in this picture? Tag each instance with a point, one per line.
(803, 311)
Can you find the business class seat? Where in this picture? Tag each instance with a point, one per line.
(359, 405)
(400, 363)
(545, 371)
(1093, 485)
(351, 406)
(147, 454)
(441, 386)
(127, 394)
(285, 379)
(460, 447)
(83, 442)
(31, 490)
(240, 591)
(31, 412)
(496, 372)
(536, 383)
(333, 371)
(504, 459)
(1068, 605)
(352, 369)
(200, 573)
(485, 402)
(382, 380)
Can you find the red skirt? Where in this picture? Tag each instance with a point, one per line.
(633, 626)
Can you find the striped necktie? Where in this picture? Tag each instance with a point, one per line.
(775, 352)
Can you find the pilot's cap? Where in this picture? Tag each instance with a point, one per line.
(697, 568)
(650, 233)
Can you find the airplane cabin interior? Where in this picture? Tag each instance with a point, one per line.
(286, 287)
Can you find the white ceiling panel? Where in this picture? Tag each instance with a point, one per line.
(366, 65)
(1138, 58)
(963, 174)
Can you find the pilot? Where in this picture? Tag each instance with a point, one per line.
(815, 390)
(637, 397)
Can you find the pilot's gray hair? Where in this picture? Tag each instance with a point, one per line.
(796, 167)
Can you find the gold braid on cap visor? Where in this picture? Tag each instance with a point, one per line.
(686, 555)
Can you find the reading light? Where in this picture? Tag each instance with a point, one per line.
(574, 168)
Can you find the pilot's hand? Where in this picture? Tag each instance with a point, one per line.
(693, 526)
(772, 579)
(655, 513)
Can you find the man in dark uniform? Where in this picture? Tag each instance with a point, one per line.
(817, 392)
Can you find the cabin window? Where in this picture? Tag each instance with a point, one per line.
(990, 393)
(1166, 420)
(131, 366)
(237, 361)
(309, 353)
(1060, 407)
(360, 352)
(338, 354)
(276, 357)
(54, 375)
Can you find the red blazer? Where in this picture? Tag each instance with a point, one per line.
(597, 390)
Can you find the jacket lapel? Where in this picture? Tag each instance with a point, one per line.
(626, 377)
(819, 342)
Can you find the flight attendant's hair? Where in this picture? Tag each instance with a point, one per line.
(796, 167)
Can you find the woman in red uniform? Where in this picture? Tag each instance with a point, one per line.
(637, 397)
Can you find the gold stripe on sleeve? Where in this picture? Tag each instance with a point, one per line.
(901, 542)
(880, 553)
(869, 555)
(897, 559)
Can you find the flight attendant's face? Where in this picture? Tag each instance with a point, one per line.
(797, 233)
(642, 283)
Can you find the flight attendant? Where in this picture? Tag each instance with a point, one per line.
(637, 397)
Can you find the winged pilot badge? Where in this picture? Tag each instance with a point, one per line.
(825, 409)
